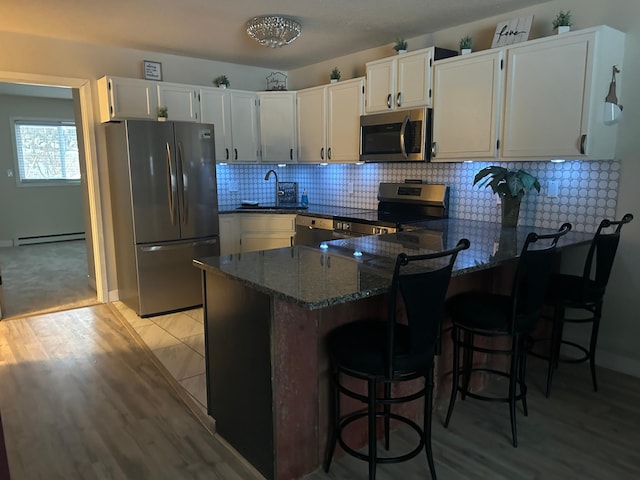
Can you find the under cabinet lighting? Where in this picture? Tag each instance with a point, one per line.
(282, 164)
(558, 160)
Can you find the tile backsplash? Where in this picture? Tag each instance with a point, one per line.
(587, 191)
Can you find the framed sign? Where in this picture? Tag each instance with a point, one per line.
(152, 70)
(512, 31)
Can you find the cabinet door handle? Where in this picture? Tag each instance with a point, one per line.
(583, 141)
(434, 149)
(227, 153)
(235, 150)
(291, 154)
(329, 154)
(399, 99)
(322, 153)
(389, 101)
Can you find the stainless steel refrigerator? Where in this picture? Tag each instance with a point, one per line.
(164, 202)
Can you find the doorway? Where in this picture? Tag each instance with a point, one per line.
(93, 246)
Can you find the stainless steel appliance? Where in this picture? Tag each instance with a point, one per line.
(402, 136)
(399, 206)
(164, 205)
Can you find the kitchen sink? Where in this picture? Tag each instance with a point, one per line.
(274, 207)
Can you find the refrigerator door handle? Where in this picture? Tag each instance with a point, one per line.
(184, 201)
(171, 186)
(177, 246)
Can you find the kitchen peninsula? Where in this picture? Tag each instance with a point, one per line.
(267, 314)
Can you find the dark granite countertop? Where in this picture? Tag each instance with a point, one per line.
(315, 277)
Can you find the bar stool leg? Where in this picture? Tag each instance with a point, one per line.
(592, 344)
(455, 373)
(554, 350)
(428, 413)
(387, 411)
(335, 414)
(371, 384)
(513, 376)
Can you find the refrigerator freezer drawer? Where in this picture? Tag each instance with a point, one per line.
(167, 279)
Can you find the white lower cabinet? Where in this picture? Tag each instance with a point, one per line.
(264, 231)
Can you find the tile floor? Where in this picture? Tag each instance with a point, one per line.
(177, 340)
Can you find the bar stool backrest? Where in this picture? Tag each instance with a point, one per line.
(531, 280)
(422, 282)
(603, 248)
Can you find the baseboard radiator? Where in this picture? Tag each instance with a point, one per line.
(59, 237)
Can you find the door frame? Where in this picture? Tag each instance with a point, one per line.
(84, 97)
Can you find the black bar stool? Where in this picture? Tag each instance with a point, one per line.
(384, 353)
(514, 316)
(586, 293)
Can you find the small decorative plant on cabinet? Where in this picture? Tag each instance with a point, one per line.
(511, 186)
(401, 45)
(163, 113)
(562, 23)
(335, 75)
(466, 44)
(221, 81)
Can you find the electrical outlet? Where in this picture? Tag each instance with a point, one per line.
(552, 188)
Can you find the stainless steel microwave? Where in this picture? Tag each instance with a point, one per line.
(402, 136)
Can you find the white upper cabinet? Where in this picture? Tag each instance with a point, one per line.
(122, 98)
(403, 81)
(466, 108)
(345, 104)
(311, 124)
(328, 120)
(554, 99)
(182, 101)
(547, 102)
(234, 115)
(215, 108)
(278, 127)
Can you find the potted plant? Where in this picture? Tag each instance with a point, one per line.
(222, 81)
(335, 75)
(511, 186)
(466, 45)
(562, 23)
(401, 45)
(163, 113)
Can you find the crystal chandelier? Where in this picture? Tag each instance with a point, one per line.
(273, 30)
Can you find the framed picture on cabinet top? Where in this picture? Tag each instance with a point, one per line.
(512, 31)
(152, 70)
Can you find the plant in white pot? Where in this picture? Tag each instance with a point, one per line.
(562, 23)
(401, 45)
(163, 113)
(466, 44)
(334, 76)
(221, 81)
(511, 186)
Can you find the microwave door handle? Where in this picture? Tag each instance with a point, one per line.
(403, 129)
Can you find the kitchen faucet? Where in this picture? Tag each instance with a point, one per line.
(279, 192)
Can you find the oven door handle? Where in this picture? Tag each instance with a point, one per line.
(403, 129)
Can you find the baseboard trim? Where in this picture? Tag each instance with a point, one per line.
(619, 363)
(60, 237)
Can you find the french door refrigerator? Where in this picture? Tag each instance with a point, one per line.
(164, 202)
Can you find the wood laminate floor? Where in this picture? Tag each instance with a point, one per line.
(81, 397)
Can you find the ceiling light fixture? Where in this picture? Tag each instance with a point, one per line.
(273, 30)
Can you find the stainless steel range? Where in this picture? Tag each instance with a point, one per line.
(399, 206)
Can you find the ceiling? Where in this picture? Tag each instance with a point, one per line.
(215, 30)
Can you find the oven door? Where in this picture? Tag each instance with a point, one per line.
(396, 136)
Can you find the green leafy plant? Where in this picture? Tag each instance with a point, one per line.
(163, 112)
(563, 19)
(221, 80)
(506, 183)
(466, 42)
(335, 74)
(401, 44)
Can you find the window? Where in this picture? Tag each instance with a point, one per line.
(46, 151)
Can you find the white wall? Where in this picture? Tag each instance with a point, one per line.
(33, 210)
